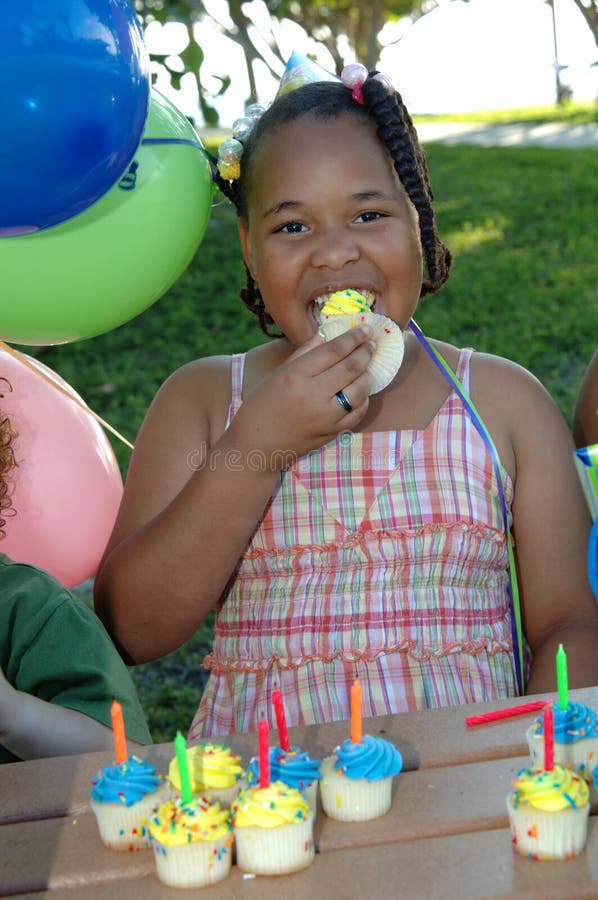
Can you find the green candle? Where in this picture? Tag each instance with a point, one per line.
(561, 677)
(183, 763)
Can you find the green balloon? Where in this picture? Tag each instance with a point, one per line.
(103, 267)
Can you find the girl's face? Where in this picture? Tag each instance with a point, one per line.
(326, 211)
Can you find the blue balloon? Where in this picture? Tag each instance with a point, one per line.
(73, 105)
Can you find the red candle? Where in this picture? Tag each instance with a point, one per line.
(495, 715)
(356, 726)
(548, 738)
(118, 731)
(281, 722)
(264, 760)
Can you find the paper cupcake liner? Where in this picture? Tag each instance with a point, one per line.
(352, 799)
(387, 359)
(193, 865)
(125, 827)
(581, 755)
(275, 851)
(548, 835)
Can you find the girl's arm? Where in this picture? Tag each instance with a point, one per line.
(193, 497)
(32, 728)
(585, 417)
(550, 524)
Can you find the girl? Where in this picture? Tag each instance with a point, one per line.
(585, 415)
(348, 535)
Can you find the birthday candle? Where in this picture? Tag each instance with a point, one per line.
(548, 738)
(118, 732)
(356, 726)
(264, 760)
(281, 722)
(183, 764)
(495, 715)
(561, 677)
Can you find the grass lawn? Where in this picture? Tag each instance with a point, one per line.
(522, 226)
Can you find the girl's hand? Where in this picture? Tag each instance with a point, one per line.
(295, 409)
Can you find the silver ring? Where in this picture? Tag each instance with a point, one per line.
(340, 396)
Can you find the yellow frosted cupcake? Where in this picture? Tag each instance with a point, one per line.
(214, 771)
(192, 842)
(346, 309)
(273, 828)
(548, 813)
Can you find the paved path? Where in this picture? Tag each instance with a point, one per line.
(550, 134)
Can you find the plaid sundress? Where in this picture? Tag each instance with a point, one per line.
(381, 555)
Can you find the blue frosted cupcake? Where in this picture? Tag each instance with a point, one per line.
(575, 739)
(293, 767)
(356, 781)
(122, 798)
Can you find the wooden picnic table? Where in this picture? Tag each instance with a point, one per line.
(445, 836)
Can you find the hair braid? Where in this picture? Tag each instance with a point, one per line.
(7, 463)
(398, 134)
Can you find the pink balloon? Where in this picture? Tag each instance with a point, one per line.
(67, 487)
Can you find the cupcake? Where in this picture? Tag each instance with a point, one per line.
(356, 780)
(122, 798)
(348, 308)
(548, 813)
(293, 767)
(273, 828)
(214, 772)
(575, 739)
(192, 842)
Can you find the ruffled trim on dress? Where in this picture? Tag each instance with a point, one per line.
(489, 646)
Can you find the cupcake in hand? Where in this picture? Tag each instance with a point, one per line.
(346, 309)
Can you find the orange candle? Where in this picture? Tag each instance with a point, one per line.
(118, 730)
(356, 731)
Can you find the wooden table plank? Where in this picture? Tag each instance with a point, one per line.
(426, 803)
(481, 865)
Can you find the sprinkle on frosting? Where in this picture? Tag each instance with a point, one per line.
(211, 766)
(125, 783)
(294, 768)
(175, 823)
(552, 791)
(345, 303)
(372, 759)
(269, 807)
(574, 723)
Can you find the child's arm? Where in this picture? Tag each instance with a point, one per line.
(32, 728)
(550, 524)
(195, 493)
(585, 417)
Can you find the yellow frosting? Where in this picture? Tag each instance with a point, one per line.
(346, 302)
(211, 766)
(269, 807)
(175, 823)
(555, 790)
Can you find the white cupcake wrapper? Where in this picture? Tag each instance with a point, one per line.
(387, 359)
(353, 799)
(275, 851)
(548, 835)
(125, 827)
(581, 755)
(193, 865)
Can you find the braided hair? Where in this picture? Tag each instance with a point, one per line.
(7, 463)
(329, 100)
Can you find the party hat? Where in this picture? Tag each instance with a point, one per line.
(301, 70)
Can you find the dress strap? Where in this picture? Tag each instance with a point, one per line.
(237, 370)
(480, 426)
